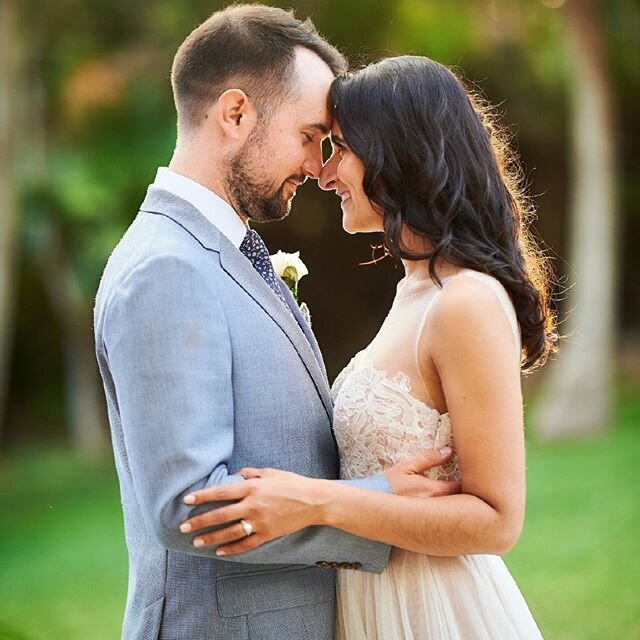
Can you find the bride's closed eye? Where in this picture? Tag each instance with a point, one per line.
(339, 149)
(338, 146)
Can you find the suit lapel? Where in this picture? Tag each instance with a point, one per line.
(306, 329)
(240, 269)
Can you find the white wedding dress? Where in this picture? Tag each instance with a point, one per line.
(378, 421)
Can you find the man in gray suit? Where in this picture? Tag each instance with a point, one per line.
(207, 363)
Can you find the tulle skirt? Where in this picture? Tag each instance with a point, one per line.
(420, 597)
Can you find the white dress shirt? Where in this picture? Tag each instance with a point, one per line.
(218, 211)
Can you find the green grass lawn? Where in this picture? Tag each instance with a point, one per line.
(578, 560)
(63, 561)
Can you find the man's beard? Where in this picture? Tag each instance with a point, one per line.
(251, 194)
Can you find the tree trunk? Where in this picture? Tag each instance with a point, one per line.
(85, 405)
(8, 213)
(577, 393)
(84, 402)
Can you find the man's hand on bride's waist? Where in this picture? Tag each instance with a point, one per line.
(272, 503)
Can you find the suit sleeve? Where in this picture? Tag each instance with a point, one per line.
(169, 352)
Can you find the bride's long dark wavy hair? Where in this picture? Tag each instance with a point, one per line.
(436, 164)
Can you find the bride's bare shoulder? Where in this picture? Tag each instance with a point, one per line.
(469, 310)
(468, 295)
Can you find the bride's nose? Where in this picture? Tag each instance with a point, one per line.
(328, 175)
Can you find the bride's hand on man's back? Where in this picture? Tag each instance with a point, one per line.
(406, 477)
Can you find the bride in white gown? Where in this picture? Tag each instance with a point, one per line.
(415, 158)
(380, 419)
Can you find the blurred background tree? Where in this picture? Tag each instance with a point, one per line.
(577, 397)
(93, 118)
(86, 117)
(9, 216)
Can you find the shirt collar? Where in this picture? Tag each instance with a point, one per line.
(219, 212)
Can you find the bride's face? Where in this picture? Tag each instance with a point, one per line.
(344, 172)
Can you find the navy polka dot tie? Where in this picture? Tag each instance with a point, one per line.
(254, 248)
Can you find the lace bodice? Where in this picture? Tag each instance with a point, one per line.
(377, 419)
(378, 422)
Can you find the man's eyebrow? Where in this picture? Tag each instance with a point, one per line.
(320, 127)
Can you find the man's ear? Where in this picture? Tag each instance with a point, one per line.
(235, 113)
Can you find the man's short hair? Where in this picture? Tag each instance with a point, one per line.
(245, 46)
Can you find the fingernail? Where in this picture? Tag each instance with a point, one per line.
(198, 542)
(190, 499)
(445, 451)
(185, 527)
(220, 552)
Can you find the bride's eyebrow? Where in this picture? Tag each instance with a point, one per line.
(337, 140)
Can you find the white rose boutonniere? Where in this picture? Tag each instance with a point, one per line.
(291, 269)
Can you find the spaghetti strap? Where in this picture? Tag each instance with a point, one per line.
(425, 313)
(505, 303)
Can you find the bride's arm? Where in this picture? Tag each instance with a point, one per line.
(473, 353)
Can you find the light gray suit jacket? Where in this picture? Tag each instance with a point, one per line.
(205, 371)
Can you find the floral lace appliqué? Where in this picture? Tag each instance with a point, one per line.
(378, 422)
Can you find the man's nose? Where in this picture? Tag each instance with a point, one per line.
(328, 175)
(313, 164)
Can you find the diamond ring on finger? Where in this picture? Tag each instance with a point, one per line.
(247, 527)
